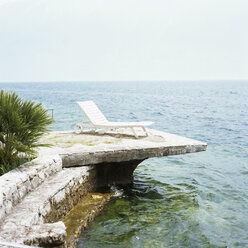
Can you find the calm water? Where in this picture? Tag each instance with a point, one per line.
(194, 200)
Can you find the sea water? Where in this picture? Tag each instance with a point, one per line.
(193, 200)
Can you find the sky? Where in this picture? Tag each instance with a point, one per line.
(122, 40)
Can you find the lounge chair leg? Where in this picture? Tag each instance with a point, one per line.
(78, 128)
(136, 136)
(145, 131)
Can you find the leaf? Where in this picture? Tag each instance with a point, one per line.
(22, 123)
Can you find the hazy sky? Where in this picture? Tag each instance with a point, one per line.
(81, 40)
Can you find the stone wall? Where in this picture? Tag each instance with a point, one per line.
(70, 194)
(16, 184)
(36, 219)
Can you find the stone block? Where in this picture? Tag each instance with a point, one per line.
(1, 199)
(7, 206)
(59, 196)
(23, 190)
(8, 227)
(45, 209)
(15, 197)
(9, 189)
(47, 235)
(2, 214)
(31, 173)
(34, 182)
(29, 220)
(42, 175)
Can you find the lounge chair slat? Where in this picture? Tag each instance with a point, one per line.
(97, 119)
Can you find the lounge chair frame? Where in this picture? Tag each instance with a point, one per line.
(94, 119)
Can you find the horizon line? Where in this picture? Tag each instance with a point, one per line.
(123, 81)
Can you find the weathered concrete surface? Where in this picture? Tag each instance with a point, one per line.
(85, 149)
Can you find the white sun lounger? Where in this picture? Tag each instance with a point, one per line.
(96, 119)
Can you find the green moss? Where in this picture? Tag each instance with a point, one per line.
(112, 141)
(108, 142)
(53, 138)
(4, 168)
(59, 141)
(82, 214)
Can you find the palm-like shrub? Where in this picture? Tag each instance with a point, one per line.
(22, 123)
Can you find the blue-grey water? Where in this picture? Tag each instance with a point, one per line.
(193, 200)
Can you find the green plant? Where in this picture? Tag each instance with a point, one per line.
(4, 168)
(22, 123)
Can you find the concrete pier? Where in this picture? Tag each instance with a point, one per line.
(115, 156)
(36, 197)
